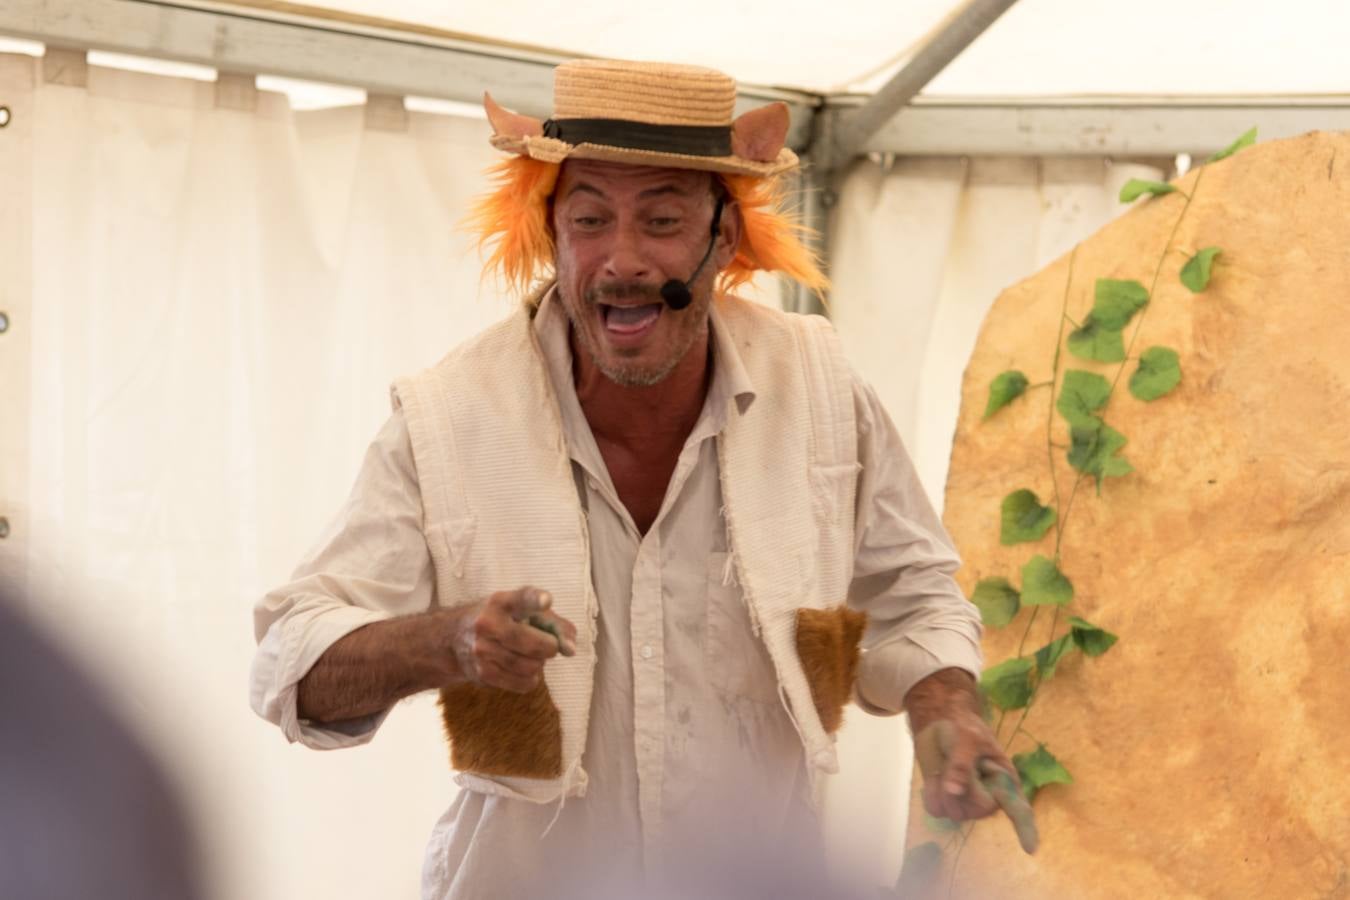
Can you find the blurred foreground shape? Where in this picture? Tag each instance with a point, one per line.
(84, 810)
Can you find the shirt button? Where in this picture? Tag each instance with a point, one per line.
(594, 485)
(646, 651)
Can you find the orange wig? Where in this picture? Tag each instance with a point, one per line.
(513, 222)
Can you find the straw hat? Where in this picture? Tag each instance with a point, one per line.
(654, 114)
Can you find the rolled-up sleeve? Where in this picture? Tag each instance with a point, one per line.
(371, 564)
(918, 619)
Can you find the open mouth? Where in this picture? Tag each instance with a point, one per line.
(630, 321)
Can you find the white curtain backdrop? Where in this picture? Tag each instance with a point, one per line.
(218, 293)
(919, 250)
(208, 295)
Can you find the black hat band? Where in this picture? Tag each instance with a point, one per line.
(689, 140)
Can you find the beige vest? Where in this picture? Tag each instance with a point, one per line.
(501, 510)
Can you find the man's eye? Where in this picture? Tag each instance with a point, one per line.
(588, 221)
(665, 222)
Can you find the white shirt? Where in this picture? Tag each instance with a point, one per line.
(689, 750)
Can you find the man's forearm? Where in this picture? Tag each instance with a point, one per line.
(377, 665)
(936, 696)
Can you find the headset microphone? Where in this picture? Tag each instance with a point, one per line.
(675, 292)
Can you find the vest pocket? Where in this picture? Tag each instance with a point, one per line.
(449, 543)
(833, 489)
(736, 660)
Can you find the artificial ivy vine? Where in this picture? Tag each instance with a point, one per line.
(1094, 452)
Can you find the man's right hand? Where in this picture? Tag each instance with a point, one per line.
(489, 643)
(494, 644)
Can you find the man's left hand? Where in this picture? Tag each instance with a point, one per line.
(950, 788)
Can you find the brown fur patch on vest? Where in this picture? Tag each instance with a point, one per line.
(497, 732)
(829, 647)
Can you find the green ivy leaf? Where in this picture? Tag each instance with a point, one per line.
(998, 601)
(1024, 519)
(1092, 451)
(1159, 371)
(1082, 394)
(1248, 138)
(1115, 302)
(1092, 640)
(1048, 656)
(1095, 341)
(1004, 389)
(1195, 273)
(1039, 768)
(1008, 684)
(1138, 187)
(1043, 584)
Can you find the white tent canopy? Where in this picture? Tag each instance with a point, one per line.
(1048, 77)
(1039, 47)
(194, 392)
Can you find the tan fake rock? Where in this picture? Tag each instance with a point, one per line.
(1210, 747)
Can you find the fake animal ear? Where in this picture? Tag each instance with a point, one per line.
(510, 124)
(760, 133)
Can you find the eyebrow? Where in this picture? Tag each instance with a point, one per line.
(661, 190)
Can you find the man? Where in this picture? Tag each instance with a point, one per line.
(632, 533)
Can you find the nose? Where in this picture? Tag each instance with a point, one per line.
(626, 260)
